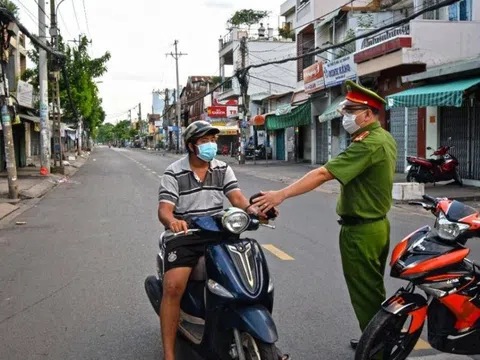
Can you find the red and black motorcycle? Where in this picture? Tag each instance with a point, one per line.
(441, 166)
(433, 260)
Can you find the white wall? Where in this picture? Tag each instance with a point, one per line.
(431, 129)
(437, 42)
(284, 74)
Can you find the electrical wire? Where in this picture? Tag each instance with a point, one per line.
(86, 18)
(359, 37)
(272, 82)
(5, 14)
(43, 10)
(29, 13)
(64, 25)
(76, 17)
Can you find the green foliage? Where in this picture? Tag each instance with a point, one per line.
(105, 133)
(286, 33)
(122, 130)
(216, 80)
(10, 6)
(81, 71)
(133, 132)
(247, 17)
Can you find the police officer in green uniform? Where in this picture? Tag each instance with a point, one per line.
(365, 170)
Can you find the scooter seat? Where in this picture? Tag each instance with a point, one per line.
(199, 272)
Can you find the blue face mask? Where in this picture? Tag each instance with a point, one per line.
(207, 151)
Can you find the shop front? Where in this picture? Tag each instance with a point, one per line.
(284, 129)
(314, 136)
(452, 110)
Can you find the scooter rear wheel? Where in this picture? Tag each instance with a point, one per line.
(385, 333)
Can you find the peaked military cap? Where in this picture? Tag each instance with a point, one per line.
(358, 94)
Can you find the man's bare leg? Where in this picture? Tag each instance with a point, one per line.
(174, 284)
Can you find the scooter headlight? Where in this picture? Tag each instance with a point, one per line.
(447, 229)
(235, 220)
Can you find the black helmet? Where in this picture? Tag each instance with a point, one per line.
(198, 129)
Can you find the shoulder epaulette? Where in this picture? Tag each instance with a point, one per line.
(362, 136)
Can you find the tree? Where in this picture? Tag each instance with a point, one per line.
(122, 130)
(247, 17)
(10, 6)
(81, 71)
(105, 133)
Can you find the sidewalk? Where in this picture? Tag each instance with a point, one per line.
(32, 185)
(287, 173)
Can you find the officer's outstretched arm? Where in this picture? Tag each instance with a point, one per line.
(309, 182)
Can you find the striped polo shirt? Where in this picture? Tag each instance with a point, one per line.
(181, 187)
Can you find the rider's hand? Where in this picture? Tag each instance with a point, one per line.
(269, 200)
(177, 226)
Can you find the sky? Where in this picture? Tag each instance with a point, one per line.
(139, 33)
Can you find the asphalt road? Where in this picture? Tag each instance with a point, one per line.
(71, 278)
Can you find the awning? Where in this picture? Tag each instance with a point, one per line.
(228, 130)
(326, 19)
(446, 94)
(300, 116)
(331, 112)
(300, 96)
(31, 118)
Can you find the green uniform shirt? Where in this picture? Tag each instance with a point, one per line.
(365, 170)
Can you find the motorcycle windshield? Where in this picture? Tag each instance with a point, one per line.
(457, 211)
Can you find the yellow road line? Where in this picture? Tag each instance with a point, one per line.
(422, 345)
(277, 252)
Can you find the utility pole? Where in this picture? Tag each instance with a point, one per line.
(242, 78)
(140, 124)
(176, 56)
(6, 119)
(166, 120)
(57, 136)
(43, 79)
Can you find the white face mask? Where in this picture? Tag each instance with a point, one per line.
(349, 123)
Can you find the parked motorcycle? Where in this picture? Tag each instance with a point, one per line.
(434, 260)
(226, 311)
(442, 166)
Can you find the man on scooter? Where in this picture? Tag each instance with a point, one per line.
(195, 185)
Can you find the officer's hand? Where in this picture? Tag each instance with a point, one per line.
(177, 226)
(269, 200)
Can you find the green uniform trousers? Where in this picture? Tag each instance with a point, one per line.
(364, 249)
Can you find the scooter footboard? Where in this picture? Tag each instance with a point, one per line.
(406, 303)
(255, 320)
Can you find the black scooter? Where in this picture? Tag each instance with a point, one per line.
(226, 311)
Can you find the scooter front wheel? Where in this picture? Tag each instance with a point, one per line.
(386, 334)
(255, 349)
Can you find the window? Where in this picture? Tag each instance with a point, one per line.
(302, 4)
(460, 11)
(431, 15)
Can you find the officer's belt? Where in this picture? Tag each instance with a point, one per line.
(352, 220)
